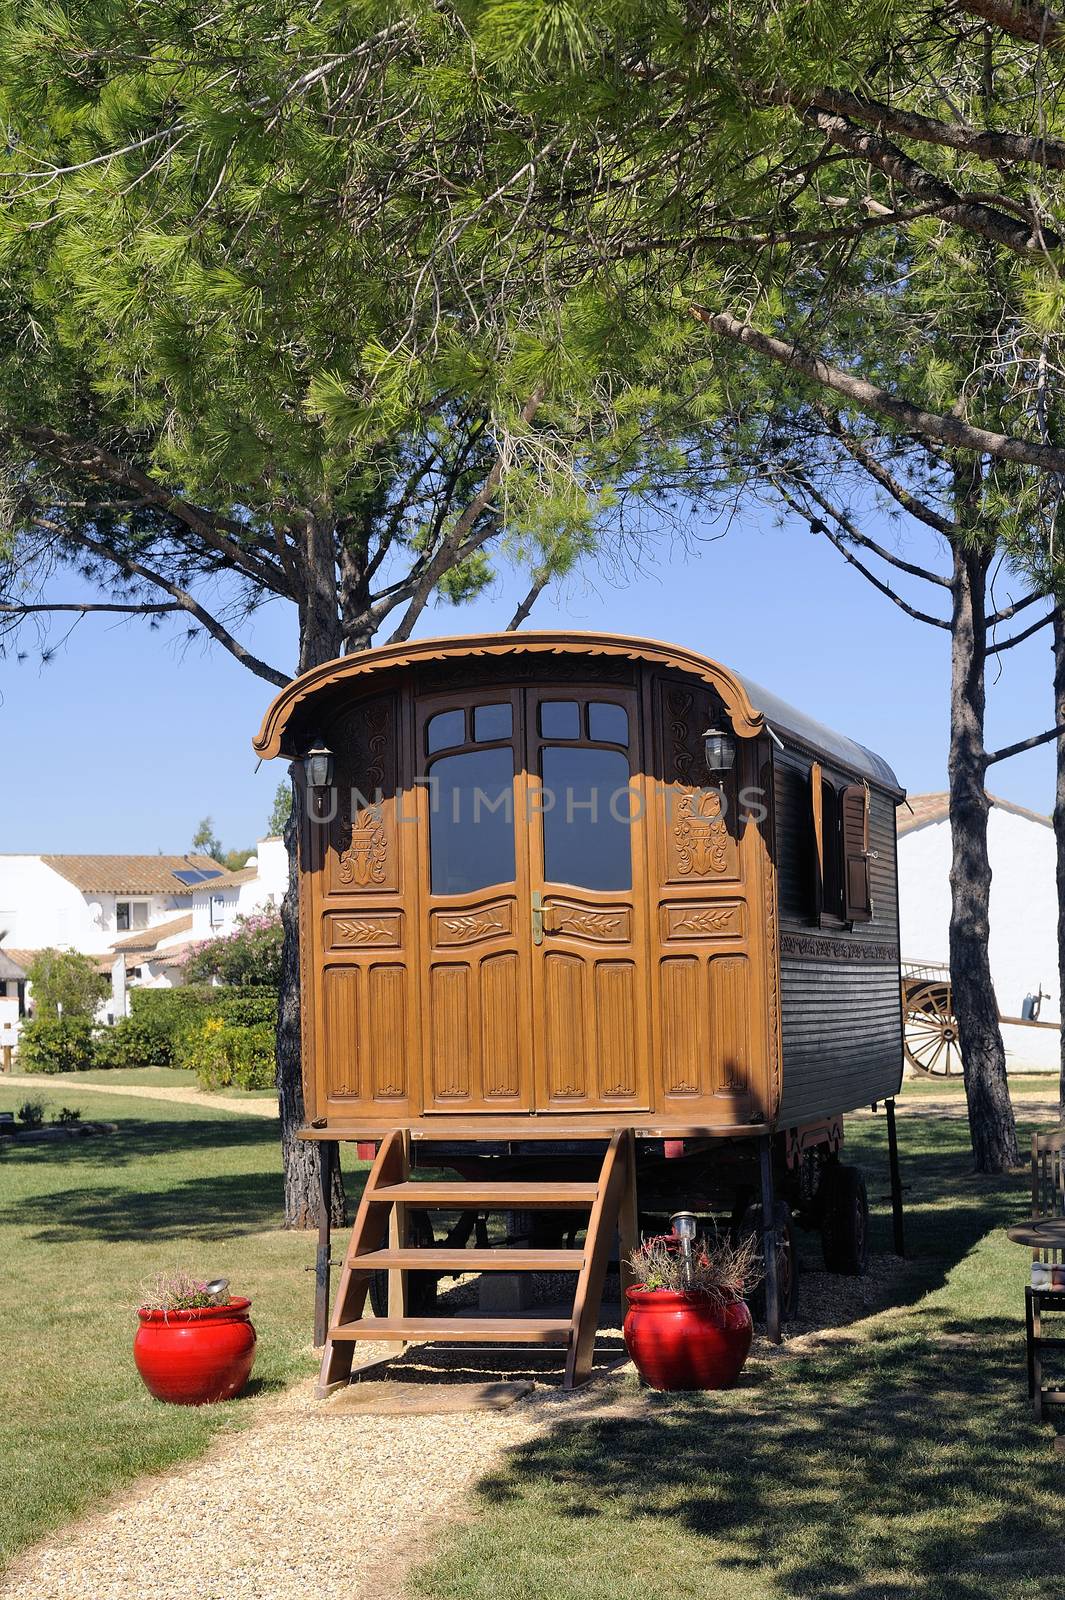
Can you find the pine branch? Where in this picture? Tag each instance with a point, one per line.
(1020, 605)
(1023, 239)
(452, 549)
(948, 430)
(1024, 744)
(919, 509)
(855, 533)
(818, 526)
(13, 608)
(1019, 638)
(185, 602)
(988, 146)
(85, 457)
(1034, 24)
(538, 586)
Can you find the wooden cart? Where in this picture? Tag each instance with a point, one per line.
(602, 930)
(931, 1028)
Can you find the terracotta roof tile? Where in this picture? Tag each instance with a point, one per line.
(130, 874)
(148, 938)
(926, 808)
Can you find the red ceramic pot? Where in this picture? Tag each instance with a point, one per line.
(685, 1341)
(193, 1357)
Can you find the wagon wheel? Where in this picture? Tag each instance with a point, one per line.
(932, 1031)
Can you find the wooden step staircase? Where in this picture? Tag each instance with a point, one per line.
(380, 1242)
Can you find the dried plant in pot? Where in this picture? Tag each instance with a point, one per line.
(195, 1342)
(688, 1325)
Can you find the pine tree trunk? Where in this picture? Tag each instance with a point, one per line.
(301, 1158)
(992, 1129)
(1059, 826)
(320, 640)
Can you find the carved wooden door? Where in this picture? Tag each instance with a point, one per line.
(586, 807)
(474, 919)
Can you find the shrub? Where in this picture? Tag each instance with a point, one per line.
(250, 955)
(66, 1117)
(31, 1112)
(56, 1044)
(65, 978)
(133, 1042)
(247, 1008)
(224, 1055)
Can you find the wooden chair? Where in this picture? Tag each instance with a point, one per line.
(1048, 1201)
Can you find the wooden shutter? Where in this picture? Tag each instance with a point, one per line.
(854, 806)
(817, 853)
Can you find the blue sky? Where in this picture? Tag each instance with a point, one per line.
(127, 738)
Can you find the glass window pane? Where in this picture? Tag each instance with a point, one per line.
(471, 821)
(560, 719)
(447, 728)
(608, 722)
(491, 722)
(587, 811)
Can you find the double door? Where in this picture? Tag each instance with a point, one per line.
(532, 867)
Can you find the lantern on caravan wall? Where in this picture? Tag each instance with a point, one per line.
(719, 751)
(314, 773)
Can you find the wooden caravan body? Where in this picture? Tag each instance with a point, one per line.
(524, 904)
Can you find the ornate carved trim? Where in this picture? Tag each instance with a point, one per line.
(605, 926)
(695, 920)
(494, 921)
(702, 838)
(822, 947)
(383, 928)
(746, 720)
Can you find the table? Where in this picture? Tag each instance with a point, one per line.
(1040, 1233)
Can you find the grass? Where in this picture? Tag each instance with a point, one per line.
(947, 1088)
(82, 1224)
(905, 1463)
(148, 1078)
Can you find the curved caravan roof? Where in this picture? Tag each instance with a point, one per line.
(289, 722)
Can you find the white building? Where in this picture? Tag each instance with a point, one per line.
(1023, 944)
(85, 903)
(154, 957)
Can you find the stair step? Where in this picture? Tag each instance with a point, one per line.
(430, 1259)
(502, 1196)
(459, 1330)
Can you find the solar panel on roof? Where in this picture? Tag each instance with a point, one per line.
(190, 876)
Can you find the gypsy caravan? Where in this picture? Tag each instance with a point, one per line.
(601, 928)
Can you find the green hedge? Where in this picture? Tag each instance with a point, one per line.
(223, 1034)
(133, 1042)
(56, 1044)
(225, 1055)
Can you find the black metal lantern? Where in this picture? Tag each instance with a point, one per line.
(719, 750)
(318, 765)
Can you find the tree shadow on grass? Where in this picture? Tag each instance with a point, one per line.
(897, 1467)
(216, 1206)
(140, 1137)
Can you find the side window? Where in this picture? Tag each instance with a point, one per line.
(839, 823)
(854, 829)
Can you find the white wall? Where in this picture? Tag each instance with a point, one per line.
(40, 909)
(1023, 942)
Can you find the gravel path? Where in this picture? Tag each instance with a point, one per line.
(309, 1501)
(186, 1097)
(301, 1503)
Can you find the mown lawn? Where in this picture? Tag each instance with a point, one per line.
(144, 1077)
(82, 1224)
(906, 1464)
